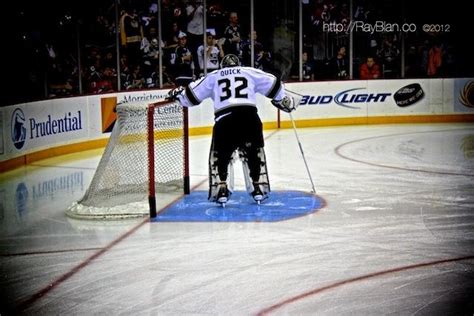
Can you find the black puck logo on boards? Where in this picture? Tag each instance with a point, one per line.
(408, 95)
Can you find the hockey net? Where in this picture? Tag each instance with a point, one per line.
(146, 155)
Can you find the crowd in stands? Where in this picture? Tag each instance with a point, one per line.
(185, 58)
(181, 45)
(427, 54)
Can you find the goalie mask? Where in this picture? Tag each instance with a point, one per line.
(230, 60)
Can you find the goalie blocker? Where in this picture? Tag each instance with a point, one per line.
(287, 104)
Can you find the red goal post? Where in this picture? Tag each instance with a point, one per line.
(151, 136)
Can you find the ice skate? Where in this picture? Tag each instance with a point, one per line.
(223, 194)
(257, 194)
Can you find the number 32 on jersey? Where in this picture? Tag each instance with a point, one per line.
(233, 87)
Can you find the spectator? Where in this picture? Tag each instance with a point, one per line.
(309, 67)
(412, 64)
(179, 14)
(232, 35)
(182, 61)
(389, 54)
(423, 52)
(152, 79)
(172, 38)
(51, 52)
(338, 66)
(214, 54)
(149, 19)
(449, 62)
(131, 35)
(135, 79)
(216, 16)
(262, 58)
(435, 60)
(125, 68)
(124, 64)
(369, 69)
(109, 80)
(99, 82)
(195, 14)
(167, 17)
(150, 49)
(109, 60)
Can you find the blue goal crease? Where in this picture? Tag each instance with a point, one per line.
(279, 206)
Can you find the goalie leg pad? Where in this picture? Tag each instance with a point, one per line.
(254, 166)
(217, 177)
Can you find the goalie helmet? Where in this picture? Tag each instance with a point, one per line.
(230, 60)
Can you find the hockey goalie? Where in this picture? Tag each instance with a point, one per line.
(237, 132)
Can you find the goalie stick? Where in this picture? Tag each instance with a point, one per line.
(284, 72)
(295, 93)
(302, 153)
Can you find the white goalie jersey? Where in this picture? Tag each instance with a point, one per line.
(233, 86)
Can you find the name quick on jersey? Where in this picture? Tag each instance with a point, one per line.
(230, 71)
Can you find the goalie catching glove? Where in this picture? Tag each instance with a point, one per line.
(286, 104)
(174, 93)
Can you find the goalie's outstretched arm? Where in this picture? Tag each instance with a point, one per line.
(184, 95)
(173, 94)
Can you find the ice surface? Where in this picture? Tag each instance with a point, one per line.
(396, 235)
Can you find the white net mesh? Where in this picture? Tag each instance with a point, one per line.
(119, 188)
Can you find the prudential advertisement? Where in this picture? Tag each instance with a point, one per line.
(42, 125)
